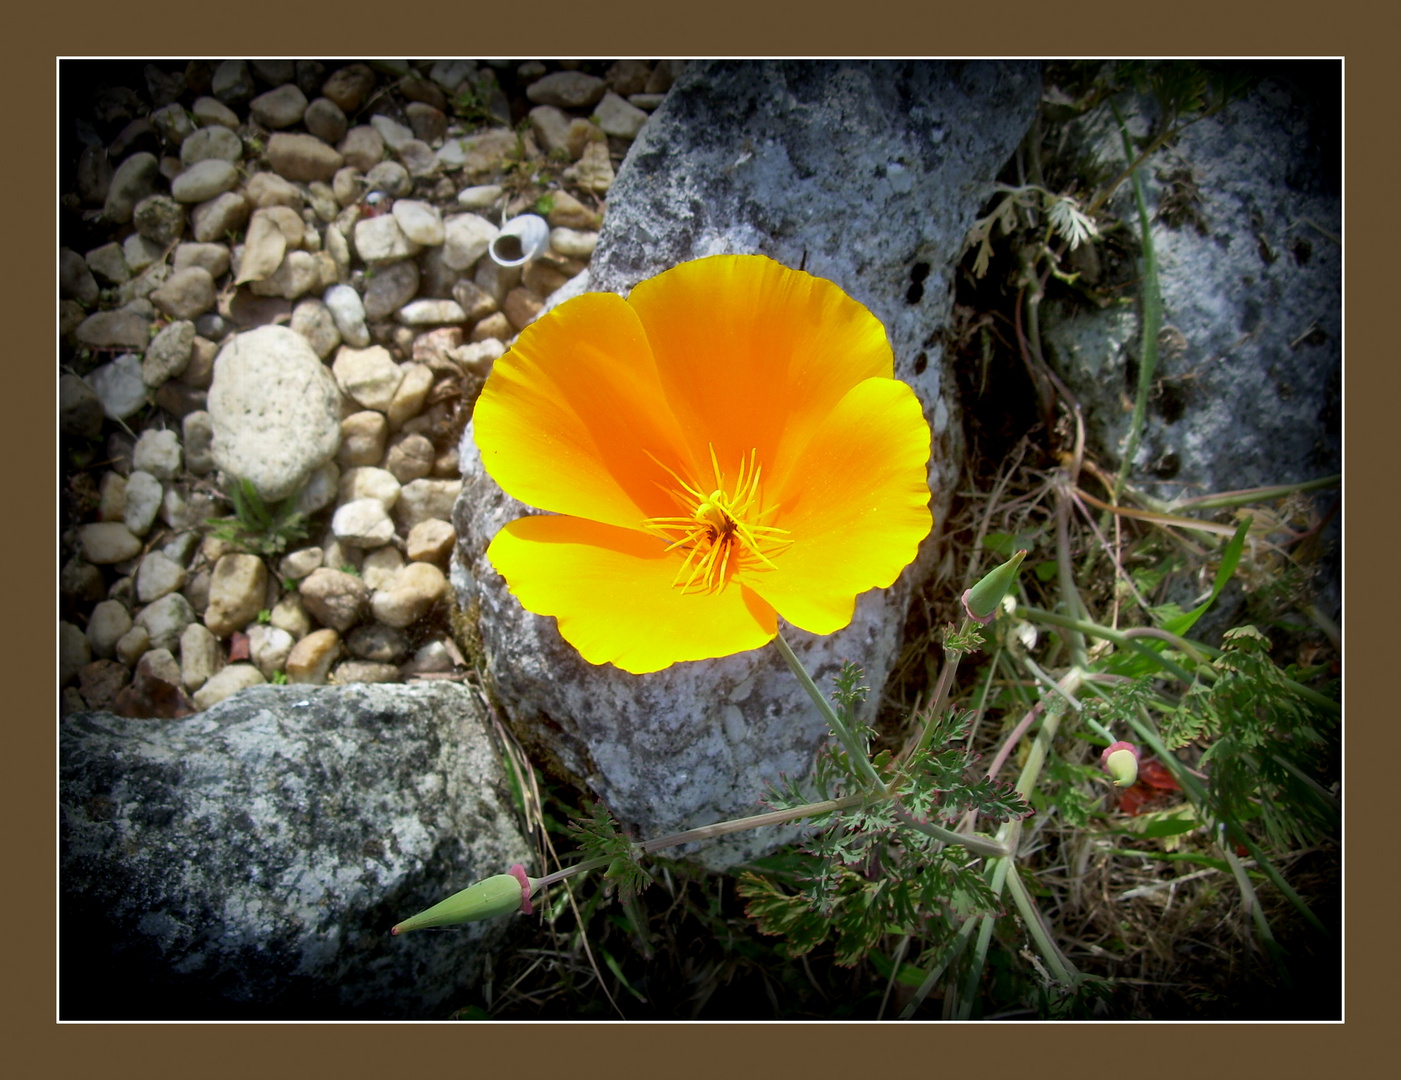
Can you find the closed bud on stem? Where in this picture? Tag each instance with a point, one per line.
(982, 600)
(1120, 760)
(495, 896)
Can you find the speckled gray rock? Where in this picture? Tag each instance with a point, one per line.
(275, 410)
(248, 862)
(1250, 358)
(870, 173)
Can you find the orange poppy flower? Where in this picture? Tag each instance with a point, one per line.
(726, 445)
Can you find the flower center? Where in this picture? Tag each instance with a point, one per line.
(719, 533)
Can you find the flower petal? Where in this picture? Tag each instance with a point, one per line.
(569, 415)
(611, 592)
(753, 355)
(856, 504)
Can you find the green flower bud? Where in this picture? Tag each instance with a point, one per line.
(495, 896)
(982, 600)
(1121, 762)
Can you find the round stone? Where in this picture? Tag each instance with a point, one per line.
(275, 410)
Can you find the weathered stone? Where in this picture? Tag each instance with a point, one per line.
(350, 86)
(169, 353)
(380, 565)
(410, 458)
(204, 180)
(79, 409)
(310, 821)
(389, 289)
(232, 83)
(325, 120)
(369, 376)
(593, 171)
(208, 110)
(158, 576)
(155, 691)
(200, 656)
(466, 238)
(268, 189)
(159, 219)
(412, 393)
(187, 294)
(378, 643)
(310, 659)
(409, 595)
(362, 147)
(134, 179)
(236, 593)
(334, 598)
(279, 108)
(120, 329)
(101, 681)
(420, 500)
(108, 622)
(567, 89)
(207, 143)
(107, 542)
(380, 240)
(302, 157)
(365, 671)
(363, 523)
(275, 410)
(617, 118)
(268, 648)
(225, 683)
(430, 541)
(1248, 383)
(697, 742)
(219, 217)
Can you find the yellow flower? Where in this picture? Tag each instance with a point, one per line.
(726, 445)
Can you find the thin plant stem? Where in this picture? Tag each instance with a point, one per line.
(844, 734)
(936, 971)
(1062, 968)
(720, 828)
(1253, 495)
(1152, 314)
(1252, 903)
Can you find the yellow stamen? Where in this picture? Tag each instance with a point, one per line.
(719, 533)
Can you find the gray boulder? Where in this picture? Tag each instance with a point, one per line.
(867, 174)
(249, 861)
(1249, 372)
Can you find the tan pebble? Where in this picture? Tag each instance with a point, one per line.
(334, 598)
(236, 593)
(311, 658)
(411, 595)
(412, 393)
(493, 326)
(226, 683)
(380, 566)
(290, 615)
(363, 435)
(409, 458)
(430, 541)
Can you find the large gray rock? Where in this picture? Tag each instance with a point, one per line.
(1249, 370)
(275, 409)
(248, 862)
(869, 174)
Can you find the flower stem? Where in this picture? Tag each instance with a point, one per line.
(720, 828)
(837, 724)
(1152, 316)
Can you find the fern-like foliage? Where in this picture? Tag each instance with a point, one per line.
(1269, 742)
(598, 836)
